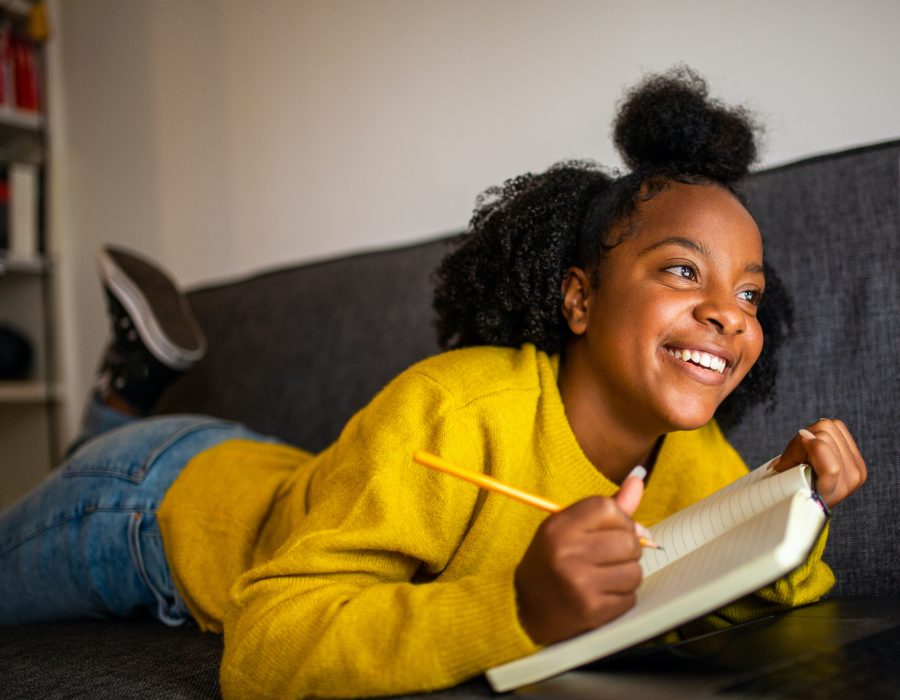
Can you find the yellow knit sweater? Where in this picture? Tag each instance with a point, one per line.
(358, 572)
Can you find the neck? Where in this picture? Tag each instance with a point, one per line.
(611, 442)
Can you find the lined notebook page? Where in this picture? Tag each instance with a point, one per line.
(742, 499)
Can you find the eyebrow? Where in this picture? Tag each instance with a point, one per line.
(699, 248)
(755, 269)
(681, 241)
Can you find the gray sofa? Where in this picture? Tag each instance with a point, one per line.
(296, 352)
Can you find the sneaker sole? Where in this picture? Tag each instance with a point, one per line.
(171, 311)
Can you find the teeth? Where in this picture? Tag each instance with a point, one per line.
(704, 359)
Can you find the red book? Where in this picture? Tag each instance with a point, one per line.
(15, 47)
(31, 74)
(24, 73)
(4, 55)
(7, 90)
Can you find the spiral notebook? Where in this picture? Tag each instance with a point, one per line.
(734, 542)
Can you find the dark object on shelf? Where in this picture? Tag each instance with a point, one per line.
(16, 354)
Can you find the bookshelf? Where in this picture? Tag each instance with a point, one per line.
(28, 443)
(28, 405)
(20, 119)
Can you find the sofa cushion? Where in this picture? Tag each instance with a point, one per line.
(108, 660)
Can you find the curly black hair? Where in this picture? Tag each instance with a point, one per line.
(501, 285)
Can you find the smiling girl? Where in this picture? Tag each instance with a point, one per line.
(598, 326)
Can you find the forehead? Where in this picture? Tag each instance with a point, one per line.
(709, 214)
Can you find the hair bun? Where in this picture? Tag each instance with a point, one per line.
(668, 124)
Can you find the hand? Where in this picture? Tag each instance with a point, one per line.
(581, 569)
(830, 450)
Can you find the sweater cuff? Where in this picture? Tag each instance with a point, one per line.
(485, 607)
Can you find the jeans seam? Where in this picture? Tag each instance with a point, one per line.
(134, 546)
(159, 448)
(152, 455)
(56, 523)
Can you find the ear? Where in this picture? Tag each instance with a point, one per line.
(576, 289)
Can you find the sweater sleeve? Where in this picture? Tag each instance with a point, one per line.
(350, 606)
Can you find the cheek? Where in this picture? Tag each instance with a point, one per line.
(753, 345)
(755, 341)
(652, 310)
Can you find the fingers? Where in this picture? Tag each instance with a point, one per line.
(845, 472)
(632, 491)
(824, 455)
(854, 452)
(581, 569)
(595, 538)
(594, 513)
(830, 449)
(794, 454)
(621, 579)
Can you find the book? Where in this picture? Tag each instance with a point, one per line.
(22, 210)
(20, 71)
(730, 544)
(7, 90)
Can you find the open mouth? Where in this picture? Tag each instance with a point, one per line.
(713, 363)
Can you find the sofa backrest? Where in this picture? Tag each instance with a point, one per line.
(296, 352)
(831, 228)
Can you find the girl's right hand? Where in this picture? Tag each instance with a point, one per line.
(581, 569)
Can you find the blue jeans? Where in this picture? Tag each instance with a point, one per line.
(86, 542)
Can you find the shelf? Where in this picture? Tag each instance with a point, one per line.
(24, 391)
(21, 119)
(19, 8)
(34, 266)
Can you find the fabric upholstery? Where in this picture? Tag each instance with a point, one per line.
(831, 228)
(296, 352)
(108, 661)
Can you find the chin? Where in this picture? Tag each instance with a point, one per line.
(689, 417)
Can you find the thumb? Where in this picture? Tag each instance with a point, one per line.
(632, 490)
(794, 454)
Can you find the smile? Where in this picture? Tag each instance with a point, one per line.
(703, 359)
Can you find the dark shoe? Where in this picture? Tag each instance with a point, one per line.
(155, 336)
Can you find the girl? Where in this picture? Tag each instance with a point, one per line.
(598, 324)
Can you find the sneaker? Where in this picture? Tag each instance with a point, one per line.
(155, 335)
(158, 312)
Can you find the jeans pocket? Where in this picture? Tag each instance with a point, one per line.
(129, 452)
(146, 548)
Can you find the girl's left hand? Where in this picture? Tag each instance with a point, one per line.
(830, 450)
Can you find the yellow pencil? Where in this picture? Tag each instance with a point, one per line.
(491, 484)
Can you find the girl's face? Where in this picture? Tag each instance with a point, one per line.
(687, 282)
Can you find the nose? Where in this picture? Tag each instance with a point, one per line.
(721, 310)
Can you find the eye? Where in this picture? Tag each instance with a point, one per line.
(751, 295)
(688, 272)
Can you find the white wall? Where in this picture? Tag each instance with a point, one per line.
(225, 136)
